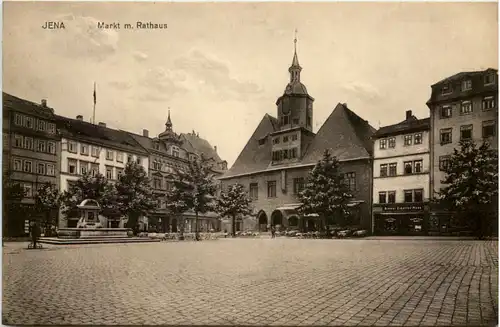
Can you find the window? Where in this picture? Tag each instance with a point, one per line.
(138, 161)
(156, 164)
(466, 132)
(41, 146)
(418, 166)
(18, 141)
(295, 121)
(18, 165)
(84, 149)
(408, 167)
(276, 140)
(72, 147)
(5, 140)
(40, 168)
(391, 197)
(466, 85)
(254, 191)
(175, 151)
(72, 166)
(489, 128)
(51, 128)
(95, 151)
(50, 170)
(109, 172)
(293, 153)
(271, 189)
(408, 196)
(28, 143)
(27, 167)
(298, 185)
(444, 162)
(156, 146)
(51, 147)
(382, 197)
(445, 136)
(28, 122)
(28, 189)
(294, 137)
(446, 89)
(94, 169)
(393, 169)
(466, 108)
(446, 111)
(418, 195)
(285, 139)
(350, 180)
(110, 155)
(19, 120)
(308, 120)
(392, 142)
(42, 126)
(408, 139)
(262, 141)
(488, 103)
(84, 167)
(119, 156)
(489, 79)
(383, 170)
(285, 154)
(383, 144)
(119, 173)
(276, 156)
(417, 138)
(157, 183)
(285, 120)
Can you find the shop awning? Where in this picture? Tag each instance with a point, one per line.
(355, 203)
(294, 206)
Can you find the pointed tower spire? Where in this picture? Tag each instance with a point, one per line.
(168, 124)
(295, 67)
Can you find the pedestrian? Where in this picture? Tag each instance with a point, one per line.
(273, 232)
(225, 233)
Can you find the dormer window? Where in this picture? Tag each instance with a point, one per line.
(276, 140)
(489, 79)
(175, 151)
(262, 141)
(446, 89)
(156, 146)
(466, 85)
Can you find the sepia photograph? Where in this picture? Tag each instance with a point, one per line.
(250, 163)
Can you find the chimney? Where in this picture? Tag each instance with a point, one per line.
(145, 133)
(79, 117)
(215, 148)
(408, 114)
(44, 103)
(102, 124)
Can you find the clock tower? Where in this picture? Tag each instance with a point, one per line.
(295, 106)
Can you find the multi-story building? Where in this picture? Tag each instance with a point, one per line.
(167, 152)
(30, 150)
(462, 107)
(90, 148)
(281, 152)
(401, 177)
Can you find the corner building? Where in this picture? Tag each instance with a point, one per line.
(277, 159)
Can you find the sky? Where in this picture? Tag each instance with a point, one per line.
(220, 67)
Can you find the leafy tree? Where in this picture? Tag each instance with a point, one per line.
(233, 203)
(472, 185)
(193, 190)
(134, 194)
(47, 199)
(12, 195)
(326, 193)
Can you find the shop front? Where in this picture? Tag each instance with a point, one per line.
(401, 219)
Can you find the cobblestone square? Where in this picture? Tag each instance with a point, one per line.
(254, 282)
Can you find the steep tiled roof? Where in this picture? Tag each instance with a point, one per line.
(346, 135)
(11, 102)
(255, 156)
(198, 145)
(97, 134)
(411, 124)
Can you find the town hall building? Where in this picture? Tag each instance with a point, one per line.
(275, 162)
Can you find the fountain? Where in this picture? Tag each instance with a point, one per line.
(92, 228)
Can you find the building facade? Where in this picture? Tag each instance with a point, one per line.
(401, 165)
(462, 107)
(89, 148)
(168, 152)
(31, 151)
(274, 164)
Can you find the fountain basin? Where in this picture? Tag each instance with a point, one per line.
(82, 233)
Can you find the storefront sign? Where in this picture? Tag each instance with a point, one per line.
(403, 207)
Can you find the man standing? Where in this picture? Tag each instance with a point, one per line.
(273, 232)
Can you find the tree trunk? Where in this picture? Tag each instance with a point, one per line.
(233, 226)
(182, 228)
(196, 235)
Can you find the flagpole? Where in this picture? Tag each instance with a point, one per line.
(93, 114)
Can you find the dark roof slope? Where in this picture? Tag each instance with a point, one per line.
(255, 156)
(98, 134)
(406, 126)
(200, 146)
(11, 102)
(346, 135)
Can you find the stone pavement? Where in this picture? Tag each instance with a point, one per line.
(254, 282)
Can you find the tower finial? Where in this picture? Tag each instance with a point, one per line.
(169, 122)
(295, 41)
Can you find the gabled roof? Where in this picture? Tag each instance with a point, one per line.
(255, 156)
(200, 146)
(462, 75)
(411, 124)
(346, 135)
(74, 128)
(11, 102)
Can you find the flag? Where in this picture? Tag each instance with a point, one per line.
(94, 94)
